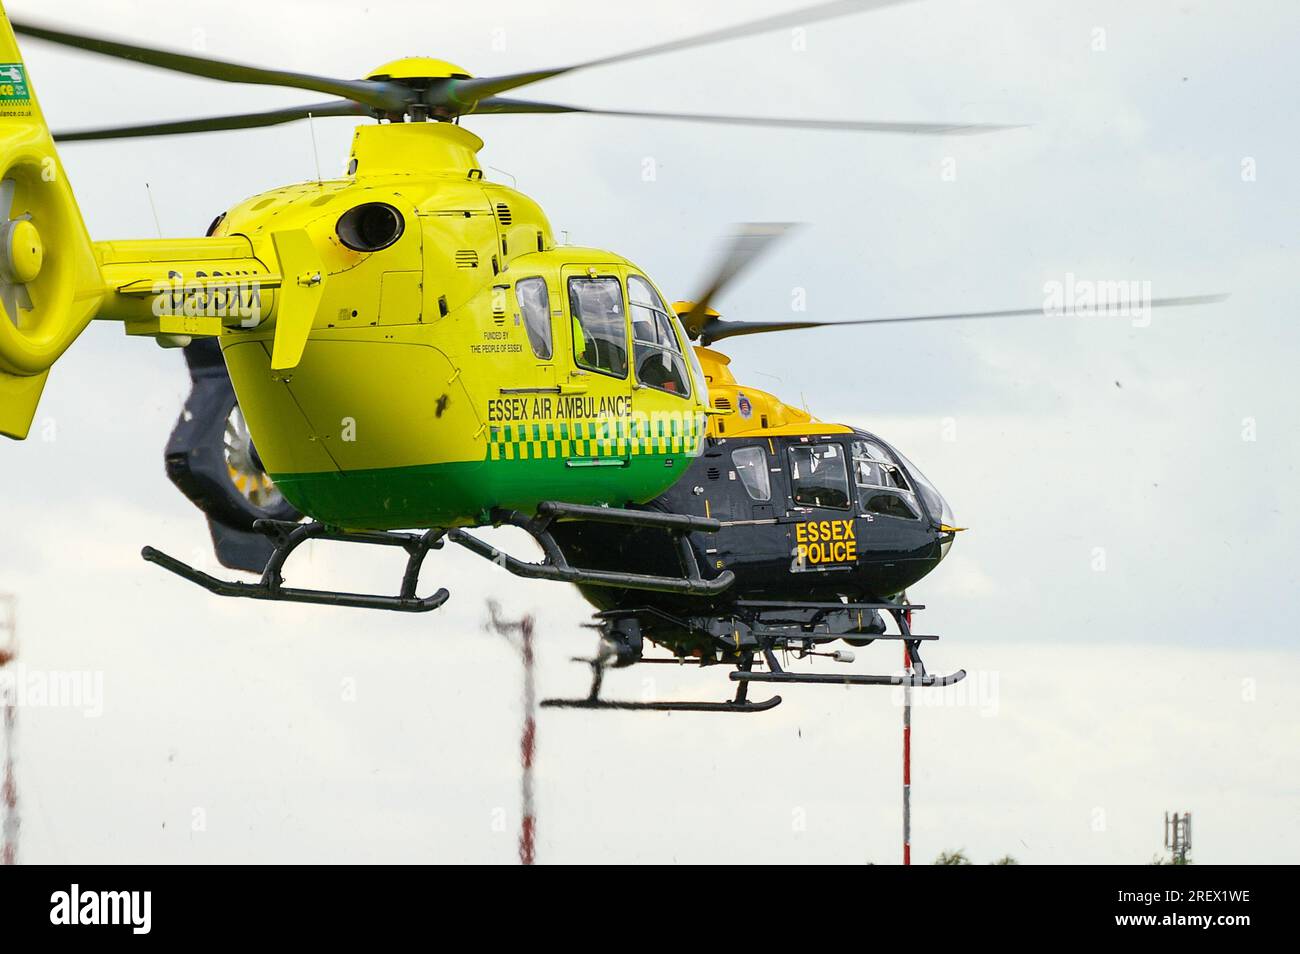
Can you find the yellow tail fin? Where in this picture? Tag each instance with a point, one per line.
(50, 284)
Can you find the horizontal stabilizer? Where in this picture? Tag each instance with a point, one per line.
(19, 395)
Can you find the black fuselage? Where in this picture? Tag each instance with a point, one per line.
(805, 519)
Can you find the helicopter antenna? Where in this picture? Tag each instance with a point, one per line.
(153, 208)
(514, 183)
(315, 150)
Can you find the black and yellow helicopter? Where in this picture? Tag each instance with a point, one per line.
(408, 347)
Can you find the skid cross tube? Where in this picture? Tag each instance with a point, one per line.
(900, 612)
(287, 537)
(556, 567)
(682, 522)
(593, 701)
(760, 644)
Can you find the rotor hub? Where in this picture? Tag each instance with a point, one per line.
(694, 324)
(414, 69)
(24, 251)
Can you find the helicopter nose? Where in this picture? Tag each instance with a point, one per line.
(944, 523)
(946, 535)
(947, 528)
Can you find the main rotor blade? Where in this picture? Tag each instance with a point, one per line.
(499, 105)
(717, 328)
(380, 95)
(466, 92)
(746, 246)
(272, 117)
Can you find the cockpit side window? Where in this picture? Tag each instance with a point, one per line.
(882, 484)
(599, 325)
(891, 505)
(657, 352)
(819, 476)
(535, 305)
(751, 468)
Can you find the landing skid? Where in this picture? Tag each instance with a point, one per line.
(917, 678)
(731, 706)
(848, 679)
(593, 701)
(555, 566)
(784, 627)
(286, 537)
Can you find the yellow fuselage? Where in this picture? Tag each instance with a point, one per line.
(419, 399)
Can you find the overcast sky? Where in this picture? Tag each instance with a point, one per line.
(1125, 600)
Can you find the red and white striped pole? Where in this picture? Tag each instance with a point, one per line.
(907, 745)
(528, 742)
(9, 785)
(9, 793)
(528, 747)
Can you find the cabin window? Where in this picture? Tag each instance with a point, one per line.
(535, 306)
(891, 505)
(873, 467)
(882, 484)
(657, 352)
(819, 476)
(599, 325)
(751, 468)
(929, 494)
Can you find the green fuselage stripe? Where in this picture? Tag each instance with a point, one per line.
(459, 494)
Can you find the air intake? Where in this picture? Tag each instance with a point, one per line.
(371, 227)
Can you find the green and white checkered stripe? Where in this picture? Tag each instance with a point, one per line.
(622, 437)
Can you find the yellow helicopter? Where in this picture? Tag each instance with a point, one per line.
(409, 345)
